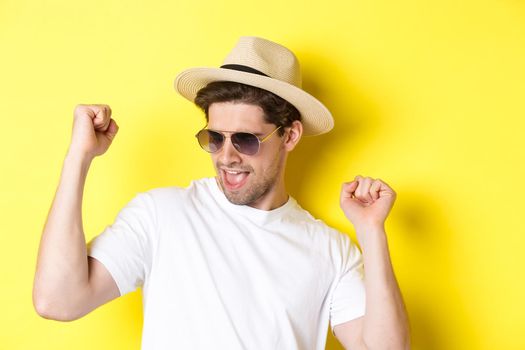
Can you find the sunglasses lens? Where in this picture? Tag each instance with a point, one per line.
(210, 141)
(245, 143)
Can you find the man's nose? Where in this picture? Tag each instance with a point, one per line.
(228, 153)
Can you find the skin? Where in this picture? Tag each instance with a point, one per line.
(68, 284)
(264, 187)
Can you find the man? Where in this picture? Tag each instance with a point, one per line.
(231, 262)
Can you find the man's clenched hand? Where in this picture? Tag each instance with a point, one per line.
(93, 130)
(366, 202)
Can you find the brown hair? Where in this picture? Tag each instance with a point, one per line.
(277, 110)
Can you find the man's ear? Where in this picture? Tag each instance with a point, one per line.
(293, 135)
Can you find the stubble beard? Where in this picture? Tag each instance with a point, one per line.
(253, 191)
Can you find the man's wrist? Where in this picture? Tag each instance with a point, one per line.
(78, 159)
(370, 232)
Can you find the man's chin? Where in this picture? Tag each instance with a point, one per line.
(240, 196)
(235, 200)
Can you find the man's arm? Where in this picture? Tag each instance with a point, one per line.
(68, 284)
(366, 203)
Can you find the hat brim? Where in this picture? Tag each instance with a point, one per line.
(315, 117)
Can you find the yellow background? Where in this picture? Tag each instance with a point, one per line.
(427, 95)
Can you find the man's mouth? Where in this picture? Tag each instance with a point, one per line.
(234, 179)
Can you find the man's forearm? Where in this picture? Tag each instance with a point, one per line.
(62, 265)
(385, 324)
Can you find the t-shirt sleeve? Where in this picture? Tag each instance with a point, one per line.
(348, 298)
(125, 247)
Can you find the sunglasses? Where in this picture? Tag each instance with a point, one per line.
(244, 142)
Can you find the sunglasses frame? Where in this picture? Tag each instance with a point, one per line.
(224, 137)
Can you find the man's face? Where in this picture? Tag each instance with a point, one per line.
(247, 180)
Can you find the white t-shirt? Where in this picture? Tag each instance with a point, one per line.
(216, 275)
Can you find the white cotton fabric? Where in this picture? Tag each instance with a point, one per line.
(215, 275)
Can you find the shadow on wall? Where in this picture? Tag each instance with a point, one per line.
(438, 315)
(422, 225)
(428, 269)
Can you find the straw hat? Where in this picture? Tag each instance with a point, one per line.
(267, 65)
